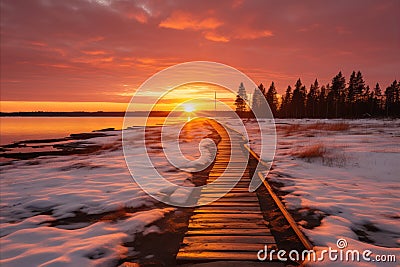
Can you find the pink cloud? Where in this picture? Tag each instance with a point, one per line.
(180, 20)
(212, 36)
(94, 52)
(140, 17)
(251, 34)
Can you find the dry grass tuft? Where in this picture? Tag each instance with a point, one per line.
(319, 151)
(319, 126)
(314, 151)
(292, 128)
(340, 126)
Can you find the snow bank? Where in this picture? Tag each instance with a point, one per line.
(354, 187)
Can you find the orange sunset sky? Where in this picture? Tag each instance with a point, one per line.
(93, 54)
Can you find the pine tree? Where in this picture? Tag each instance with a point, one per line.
(285, 109)
(396, 98)
(312, 99)
(359, 87)
(360, 95)
(338, 92)
(392, 103)
(258, 102)
(242, 92)
(272, 99)
(322, 102)
(330, 100)
(367, 103)
(377, 90)
(377, 99)
(298, 99)
(241, 99)
(351, 88)
(262, 90)
(240, 104)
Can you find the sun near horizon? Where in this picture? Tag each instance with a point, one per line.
(189, 108)
(203, 94)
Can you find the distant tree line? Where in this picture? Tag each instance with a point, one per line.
(336, 99)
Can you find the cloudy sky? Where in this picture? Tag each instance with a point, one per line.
(102, 50)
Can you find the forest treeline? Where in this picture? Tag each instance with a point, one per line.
(337, 99)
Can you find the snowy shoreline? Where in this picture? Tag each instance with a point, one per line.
(85, 209)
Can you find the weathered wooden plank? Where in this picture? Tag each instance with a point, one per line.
(244, 231)
(228, 182)
(232, 175)
(204, 246)
(228, 208)
(236, 165)
(228, 225)
(212, 193)
(223, 201)
(266, 239)
(234, 204)
(210, 219)
(230, 220)
(228, 195)
(232, 199)
(230, 169)
(219, 255)
(225, 170)
(230, 178)
(225, 187)
(210, 211)
(227, 216)
(233, 184)
(218, 189)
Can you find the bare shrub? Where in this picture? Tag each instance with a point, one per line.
(335, 160)
(314, 151)
(319, 151)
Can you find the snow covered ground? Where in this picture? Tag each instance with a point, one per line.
(346, 178)
(80, 210)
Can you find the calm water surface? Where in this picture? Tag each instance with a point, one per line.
(28, 128)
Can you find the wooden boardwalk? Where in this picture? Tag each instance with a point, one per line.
(231, 228)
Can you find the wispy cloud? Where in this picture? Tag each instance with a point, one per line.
(94, 52)
(251, 34)
(180, 20)
(212, 36)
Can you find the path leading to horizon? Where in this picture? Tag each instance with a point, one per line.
(231, 228)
